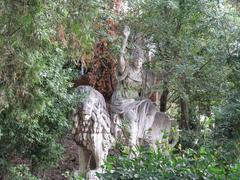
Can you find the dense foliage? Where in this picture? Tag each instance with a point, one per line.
(189, 164)
(34, 84)
(46, 45)
(40, 44)
(227, 130)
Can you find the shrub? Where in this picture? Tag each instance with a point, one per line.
(188, 164)
(21, 172)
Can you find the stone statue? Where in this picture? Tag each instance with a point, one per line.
(130, 104)
(91, 131)
(96, 133)
(96, 128)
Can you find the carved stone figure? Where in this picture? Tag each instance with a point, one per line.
(130, 104)
(91, 131)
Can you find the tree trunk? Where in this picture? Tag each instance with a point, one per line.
(184, 121)
(163, 100)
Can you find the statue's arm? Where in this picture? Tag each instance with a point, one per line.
(122, 61)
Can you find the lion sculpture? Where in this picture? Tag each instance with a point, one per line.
(91, 131)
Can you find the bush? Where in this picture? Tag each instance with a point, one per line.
(227, 132)
(21, 172)
(153, 165)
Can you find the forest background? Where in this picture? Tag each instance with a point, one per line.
(49, 47)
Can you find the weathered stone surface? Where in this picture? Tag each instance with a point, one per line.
(92, 130)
